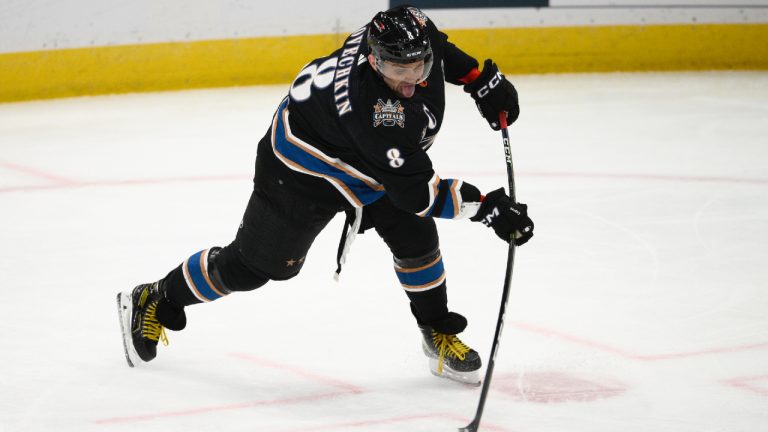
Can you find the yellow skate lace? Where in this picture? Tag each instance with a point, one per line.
(449, 346)
(152, 329)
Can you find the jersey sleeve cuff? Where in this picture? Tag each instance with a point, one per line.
(470, 76)
(471, 200)
(453, 199)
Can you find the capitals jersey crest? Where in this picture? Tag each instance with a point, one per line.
(388, 113)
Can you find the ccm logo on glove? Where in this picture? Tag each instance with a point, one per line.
(484, 90)
(488, 219)
(494, 94)
(509, 220)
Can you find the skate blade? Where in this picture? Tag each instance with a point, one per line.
(125, 311)
(470, 378)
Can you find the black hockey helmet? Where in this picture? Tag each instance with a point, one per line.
(399, 35)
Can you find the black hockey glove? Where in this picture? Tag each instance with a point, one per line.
(493, 94)
(507, 219)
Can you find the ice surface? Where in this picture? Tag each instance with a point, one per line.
(640, 304)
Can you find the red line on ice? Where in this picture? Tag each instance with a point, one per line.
(722, 350)
(748, 384)
(60, 181)
(346, 389)
(219, 408)
(351, 388)
(65, 183)
(460, 421)
(128, 182)
(621, 176)
(627, 354)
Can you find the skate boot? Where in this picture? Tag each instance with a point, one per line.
(138, 311)
(449, 357)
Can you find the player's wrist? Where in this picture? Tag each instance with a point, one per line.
(470, 77)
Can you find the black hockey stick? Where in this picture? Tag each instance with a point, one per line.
(475, 424)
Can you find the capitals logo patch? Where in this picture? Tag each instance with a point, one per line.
(388, 113)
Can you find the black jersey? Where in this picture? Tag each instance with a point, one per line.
(350, 139)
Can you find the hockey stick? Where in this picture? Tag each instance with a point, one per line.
(475, 424)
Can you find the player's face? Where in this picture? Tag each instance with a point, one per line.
(402, 78)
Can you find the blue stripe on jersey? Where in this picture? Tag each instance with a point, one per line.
(196, 274)
(425, 277)
(363, 192)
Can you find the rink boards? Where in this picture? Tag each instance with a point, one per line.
(47, 53)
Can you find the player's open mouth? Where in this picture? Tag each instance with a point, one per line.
(407, 90)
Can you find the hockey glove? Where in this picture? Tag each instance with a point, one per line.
(493, 94)
(507, 219)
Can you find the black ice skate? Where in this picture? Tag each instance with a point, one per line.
(139, 324)
(450, 358)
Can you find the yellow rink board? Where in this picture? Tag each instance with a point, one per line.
(270, 60)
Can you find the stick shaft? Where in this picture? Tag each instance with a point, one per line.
(475, 424)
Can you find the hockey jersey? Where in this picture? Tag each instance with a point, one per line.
(348, 138)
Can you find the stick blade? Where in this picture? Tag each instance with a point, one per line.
(472, 427)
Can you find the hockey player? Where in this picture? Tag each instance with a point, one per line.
(352, 135)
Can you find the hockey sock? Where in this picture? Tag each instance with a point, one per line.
(429, 306)
(191, 282)
(431, 309)
(423, 280)
(421, 274)
(171, 316)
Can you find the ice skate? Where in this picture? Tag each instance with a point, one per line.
(450, 358)
(138, 321)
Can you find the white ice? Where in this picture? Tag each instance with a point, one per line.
(641, 304)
